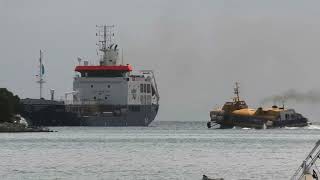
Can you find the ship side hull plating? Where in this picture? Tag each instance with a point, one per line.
(40, 112)
(247, 122)
(133, 115)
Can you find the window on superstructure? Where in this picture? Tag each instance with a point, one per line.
(287, 116)
(94, 98)
(91, 86)
(109, 86)
(141, 88)
(144, 88)
(148, 88)
(104, 74)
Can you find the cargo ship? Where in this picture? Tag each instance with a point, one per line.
(107, 94)
(236, 113)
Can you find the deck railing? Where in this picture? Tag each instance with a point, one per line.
(308, 164)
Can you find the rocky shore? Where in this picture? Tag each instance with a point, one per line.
(17, 127)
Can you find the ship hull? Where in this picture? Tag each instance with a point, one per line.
(129, 118)
(247, 122)
(40, 112)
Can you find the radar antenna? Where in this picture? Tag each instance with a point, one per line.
(236, 92)
(106, 45)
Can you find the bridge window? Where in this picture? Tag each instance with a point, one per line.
(104, 74)
(144, 88)
(148, 88)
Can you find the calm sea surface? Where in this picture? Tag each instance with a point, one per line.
(166, 150)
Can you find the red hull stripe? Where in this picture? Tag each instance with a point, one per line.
(104, 68)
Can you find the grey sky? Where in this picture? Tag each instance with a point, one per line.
(198, 49)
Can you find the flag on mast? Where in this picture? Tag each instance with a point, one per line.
(41, 65)
(42, 69)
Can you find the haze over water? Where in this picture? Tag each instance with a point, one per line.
(166, 150)
(198, 49)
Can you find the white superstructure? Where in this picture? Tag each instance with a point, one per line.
(112, 87)
(132, 90)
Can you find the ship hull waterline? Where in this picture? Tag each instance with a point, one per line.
(258, 123)
(47, 114)
(130, 118)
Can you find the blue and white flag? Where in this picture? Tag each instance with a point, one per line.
(42, 69)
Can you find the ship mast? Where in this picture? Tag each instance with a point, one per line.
(107, 46)
(41, 73)
(236, 92)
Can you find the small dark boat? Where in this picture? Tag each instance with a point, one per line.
(204, 177)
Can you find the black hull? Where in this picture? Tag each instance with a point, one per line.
(40, 112)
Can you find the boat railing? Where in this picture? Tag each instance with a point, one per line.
(87, 102)
(308, 163)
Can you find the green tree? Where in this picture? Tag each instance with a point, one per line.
(9, 105)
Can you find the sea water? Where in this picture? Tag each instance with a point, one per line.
(164, 150)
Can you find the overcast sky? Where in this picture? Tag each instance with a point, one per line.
(197, 49)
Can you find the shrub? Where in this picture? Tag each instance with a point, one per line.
(9, 105)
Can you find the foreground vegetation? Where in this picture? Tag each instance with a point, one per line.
(9, 106)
